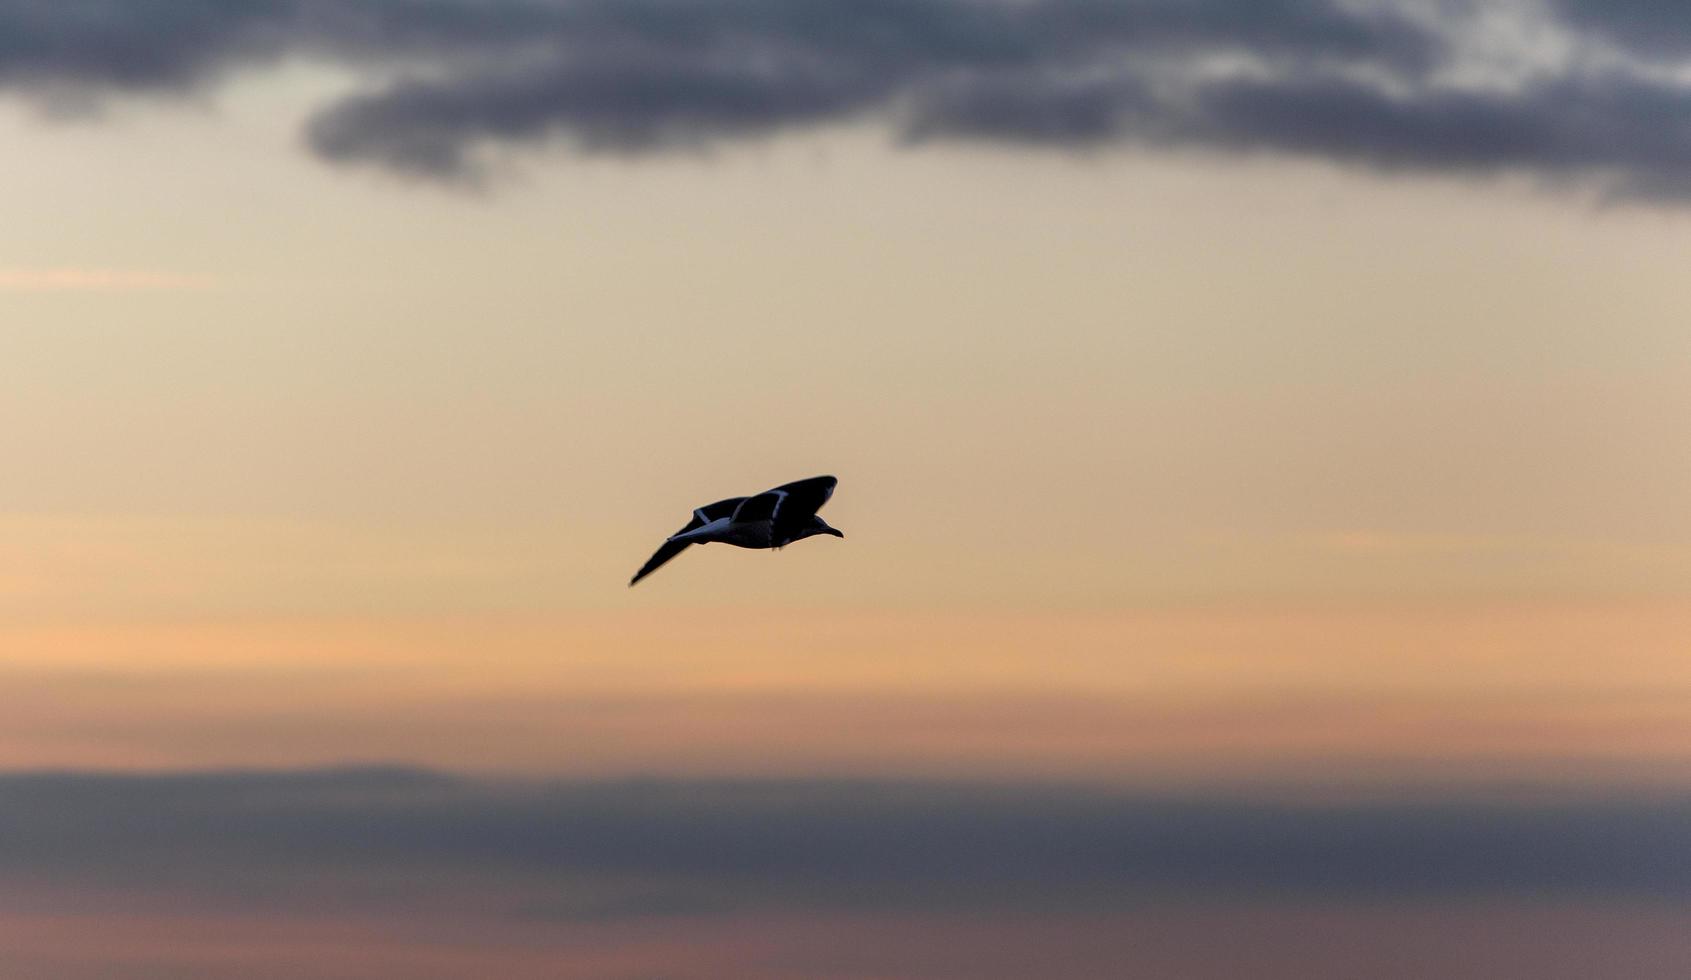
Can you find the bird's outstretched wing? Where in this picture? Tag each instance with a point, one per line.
(807, 495)
(801, 500)
(759, 508)
(670, 548)
(713, 512)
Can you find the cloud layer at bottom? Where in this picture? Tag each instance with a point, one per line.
(364, 872)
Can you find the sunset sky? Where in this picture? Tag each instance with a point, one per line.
(1264, 442)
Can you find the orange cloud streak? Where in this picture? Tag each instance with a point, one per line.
(1545, 692)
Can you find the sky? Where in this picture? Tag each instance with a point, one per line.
(1261, 432)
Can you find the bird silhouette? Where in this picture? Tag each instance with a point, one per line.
(772, 519)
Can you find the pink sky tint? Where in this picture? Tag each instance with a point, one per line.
(80, 279)
(1459, 940)
(1471, 693)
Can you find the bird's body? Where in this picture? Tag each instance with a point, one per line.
(749, 534)
(772, 519)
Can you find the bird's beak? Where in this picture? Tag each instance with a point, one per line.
(836, 532)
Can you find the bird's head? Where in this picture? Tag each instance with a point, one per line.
(818, 526)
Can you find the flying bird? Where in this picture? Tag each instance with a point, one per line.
(772, 519)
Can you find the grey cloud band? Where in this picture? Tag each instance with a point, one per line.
(1566, 91)
(724, 844)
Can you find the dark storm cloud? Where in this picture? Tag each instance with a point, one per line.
(713, 845)
(1659, 27)
(144, 44)
(1372, 84)
(1564, 130)
(645, 75)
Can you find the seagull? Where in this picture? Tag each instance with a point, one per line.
(772, 519)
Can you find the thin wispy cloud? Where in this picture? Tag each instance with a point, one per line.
(1565, 91)
(1385, 543)
(82, 279)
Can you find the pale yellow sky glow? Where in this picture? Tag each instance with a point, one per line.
(93, 280)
